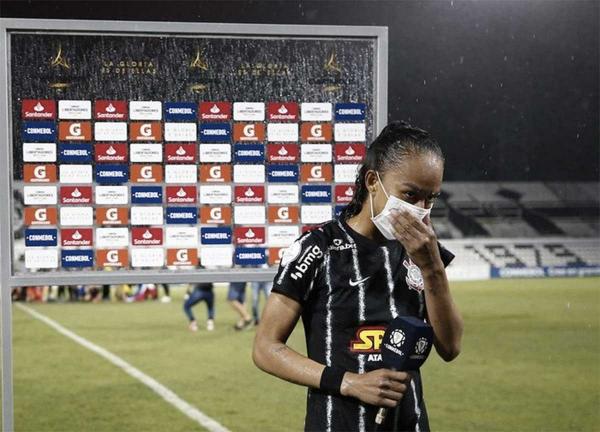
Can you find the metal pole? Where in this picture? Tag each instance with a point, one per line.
(5, 240)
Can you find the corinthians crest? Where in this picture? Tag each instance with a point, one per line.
(414, 278)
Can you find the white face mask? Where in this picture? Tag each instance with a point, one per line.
(383, 222)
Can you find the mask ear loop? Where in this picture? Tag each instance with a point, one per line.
(381, 183)
(371, 202)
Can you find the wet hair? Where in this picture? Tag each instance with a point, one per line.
(397, 141)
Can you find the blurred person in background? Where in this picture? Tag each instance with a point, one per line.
(236, 296)
(257, 288)
(200, 292)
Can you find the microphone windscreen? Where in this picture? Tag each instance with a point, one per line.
(406, 343)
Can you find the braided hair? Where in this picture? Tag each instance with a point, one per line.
(395, 142)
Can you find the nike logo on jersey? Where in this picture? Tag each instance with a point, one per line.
(358, 282)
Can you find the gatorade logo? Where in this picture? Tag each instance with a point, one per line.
(316, 132)
(316, 173)
(215, 173)
(182, 257)
(112, 257)
(112, 216)
(150, 131)
(367, 340)
(40, 216)
(215, 215)
(283, 214)
(39, 173)
(248, 132)
(74, 131)
(146, 173)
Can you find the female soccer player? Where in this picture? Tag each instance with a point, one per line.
(350, 277)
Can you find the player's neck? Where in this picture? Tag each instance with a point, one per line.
(362, 224)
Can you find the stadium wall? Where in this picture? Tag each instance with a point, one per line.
(479, 259)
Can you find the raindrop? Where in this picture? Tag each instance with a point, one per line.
(424, 82)
(577, 136)
(505, 58)
(451, 3)
(572, 58)
(471, 85)
(461, 60)
(501, 84)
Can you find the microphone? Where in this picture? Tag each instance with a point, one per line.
(405, 347)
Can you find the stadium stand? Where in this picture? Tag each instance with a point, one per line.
(519, 209)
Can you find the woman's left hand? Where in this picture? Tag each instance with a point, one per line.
(417, 237)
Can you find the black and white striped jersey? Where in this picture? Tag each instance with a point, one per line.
(350, 288)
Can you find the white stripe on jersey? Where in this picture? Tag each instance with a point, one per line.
(390, 281)
(357, 275)
(361, 316)
(328, 333)
(417, 409)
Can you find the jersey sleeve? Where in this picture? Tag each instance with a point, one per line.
(298, 268)
(446, 255)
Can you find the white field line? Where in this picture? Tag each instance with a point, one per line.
(165, 393)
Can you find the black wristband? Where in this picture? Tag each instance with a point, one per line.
(331, 379)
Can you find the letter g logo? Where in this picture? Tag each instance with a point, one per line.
(112, 256)
(215, 172)
(112, 214)
(182, 255)
(316, 130)
(146, 129)
(39, 172)
(249, 130)
(283, 213)
(41, 214)
(75, 129)
(215, 213)
(316, 171)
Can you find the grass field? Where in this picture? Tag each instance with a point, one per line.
(530, 361)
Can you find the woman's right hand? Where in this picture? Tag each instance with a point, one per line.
(381, 387)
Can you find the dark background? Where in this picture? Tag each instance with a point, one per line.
(510, 88)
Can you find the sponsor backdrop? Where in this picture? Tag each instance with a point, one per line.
(152, 152)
